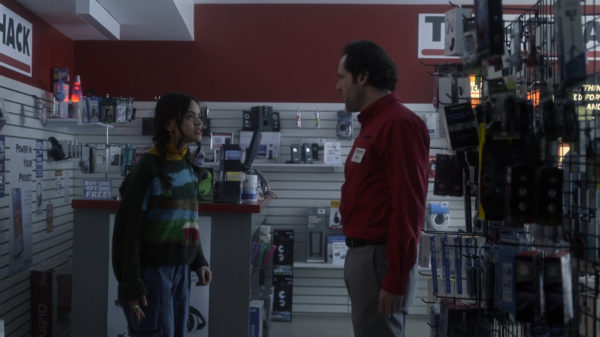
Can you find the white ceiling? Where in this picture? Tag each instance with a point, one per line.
(157, 20)
(134, 19)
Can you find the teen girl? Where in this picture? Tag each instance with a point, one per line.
(155, 241)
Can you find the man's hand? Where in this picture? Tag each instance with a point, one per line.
(389, 303)
(134, 304)
(204, 276)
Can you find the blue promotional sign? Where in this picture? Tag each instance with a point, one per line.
(97, 189)
(39, 158)
(2, 167)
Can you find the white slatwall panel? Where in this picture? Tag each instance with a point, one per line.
(298, 186)
(49, 249)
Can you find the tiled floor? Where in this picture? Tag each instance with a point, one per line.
(324, 325)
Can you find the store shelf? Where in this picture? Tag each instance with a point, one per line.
(295, 165)
(305, 265)
(336, 168)
(73, 122)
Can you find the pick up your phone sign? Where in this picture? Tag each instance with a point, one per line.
(16, 42)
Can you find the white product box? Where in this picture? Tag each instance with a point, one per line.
(332, 153)
(330, 240)
(338, 250)
(256, 318)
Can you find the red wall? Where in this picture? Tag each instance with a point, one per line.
(51, 49)
(285, 53)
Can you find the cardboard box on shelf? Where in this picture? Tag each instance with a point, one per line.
(282, 302)
(283, 259)
(256, 318)
(51, 301)
(318, 221)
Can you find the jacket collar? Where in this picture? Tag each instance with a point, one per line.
(371, 111)
(172, 152)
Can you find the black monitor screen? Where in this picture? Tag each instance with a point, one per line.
(252, 150)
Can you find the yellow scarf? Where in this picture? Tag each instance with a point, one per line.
(172, 152)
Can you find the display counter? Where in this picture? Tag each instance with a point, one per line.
(94, 287)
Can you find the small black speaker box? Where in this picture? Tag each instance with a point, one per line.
(295, 153)
(521, 194)
(248, 120)
(306, 153)
(550, 193)
(275, 122)
(265, 120)
(264, 117)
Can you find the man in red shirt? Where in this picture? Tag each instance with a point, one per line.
(383, 196)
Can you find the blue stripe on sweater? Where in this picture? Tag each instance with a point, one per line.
(177, 180)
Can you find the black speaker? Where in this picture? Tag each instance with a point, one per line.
(295, 153)
(521, 194)
(265, 120)
(264, 117)
(315, 151)
(307, 153)
(275, 121)
(248, 121)
(550, 193)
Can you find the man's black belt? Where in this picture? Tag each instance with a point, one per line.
(354, 243)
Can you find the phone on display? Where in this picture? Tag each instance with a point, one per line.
(17, 222)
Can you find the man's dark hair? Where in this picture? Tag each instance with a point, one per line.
(368, 56)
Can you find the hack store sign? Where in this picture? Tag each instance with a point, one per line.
(16, 37)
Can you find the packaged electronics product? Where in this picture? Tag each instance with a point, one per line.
(317, 226)
(461, 126)
(283, 259)
(571, 45)
(344, 124)
(558, 287)
(490, 27)
(454, 23)
(529, 286)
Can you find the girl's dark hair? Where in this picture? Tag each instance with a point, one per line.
(368, 56)
(170, 106)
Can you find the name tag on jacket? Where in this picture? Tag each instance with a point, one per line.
(358, 155)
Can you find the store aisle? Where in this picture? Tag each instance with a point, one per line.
(325, 325)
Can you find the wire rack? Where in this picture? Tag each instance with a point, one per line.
(562, 113)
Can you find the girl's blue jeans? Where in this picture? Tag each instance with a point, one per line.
(168, 302)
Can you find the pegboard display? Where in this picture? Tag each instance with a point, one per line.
(525, 150)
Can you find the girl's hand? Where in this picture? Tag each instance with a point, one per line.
(204, 276)
(134, 304)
